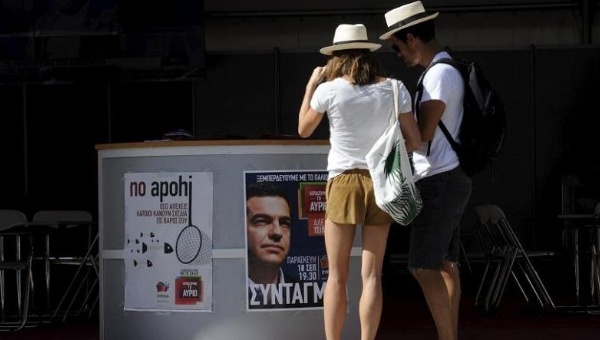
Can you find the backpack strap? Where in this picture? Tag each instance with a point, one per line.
(450, 61)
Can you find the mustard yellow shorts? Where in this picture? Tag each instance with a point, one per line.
(351, 200)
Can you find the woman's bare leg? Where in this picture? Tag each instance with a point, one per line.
(338, 243)
(374, 240)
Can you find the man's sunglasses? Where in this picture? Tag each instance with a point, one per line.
(395, 48)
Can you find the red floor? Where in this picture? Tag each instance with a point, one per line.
(405, 316)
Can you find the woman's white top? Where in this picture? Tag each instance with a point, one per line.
(358, 115)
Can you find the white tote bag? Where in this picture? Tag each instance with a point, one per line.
(389, 165)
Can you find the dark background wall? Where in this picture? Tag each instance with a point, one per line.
(56, 110)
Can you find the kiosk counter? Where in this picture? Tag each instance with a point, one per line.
(173, 244)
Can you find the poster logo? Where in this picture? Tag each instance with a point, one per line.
(162, 287)
(188, 288)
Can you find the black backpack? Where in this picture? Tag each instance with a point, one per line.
(483, 127)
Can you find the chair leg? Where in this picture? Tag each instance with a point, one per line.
(538, 285)
(503, 280)
(74, 297)
(87, 261)
(521, 287)
(2, 301)
(482, 283)
(27, 293)
(465, 256)
(493, 287)
(22, 312)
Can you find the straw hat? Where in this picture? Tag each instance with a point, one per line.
(406, 16)
(349, 37)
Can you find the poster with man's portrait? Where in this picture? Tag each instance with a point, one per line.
(286, 262)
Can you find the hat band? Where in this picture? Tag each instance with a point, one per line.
(411, 19)
(349, 42)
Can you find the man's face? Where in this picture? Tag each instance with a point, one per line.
(268, 229)
(404, 51)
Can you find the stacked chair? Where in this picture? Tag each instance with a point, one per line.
(68, 240)
(31, 252)
(16, 257)
(505, 259)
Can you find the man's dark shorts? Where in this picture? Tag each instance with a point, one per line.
(435, 233)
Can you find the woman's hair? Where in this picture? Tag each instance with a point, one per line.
(360, 64)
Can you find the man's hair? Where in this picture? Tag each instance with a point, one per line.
(424, 31)
(264, 189)
(360, 64)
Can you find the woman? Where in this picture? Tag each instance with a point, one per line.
(358, 102)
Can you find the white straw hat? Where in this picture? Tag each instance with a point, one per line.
(406, 16)
(349, 37)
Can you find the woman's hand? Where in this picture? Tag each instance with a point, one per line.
(316, 77)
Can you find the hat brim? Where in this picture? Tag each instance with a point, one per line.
(350, 46)
(387, 35)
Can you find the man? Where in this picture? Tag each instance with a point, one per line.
(444, 187)
(268, 224)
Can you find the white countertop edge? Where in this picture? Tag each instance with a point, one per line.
(214, 150)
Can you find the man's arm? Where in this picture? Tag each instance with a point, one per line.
(430, 113)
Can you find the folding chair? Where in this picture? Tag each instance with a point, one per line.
(88, 265)
(505, 259)
(69, 238)
(15, 257)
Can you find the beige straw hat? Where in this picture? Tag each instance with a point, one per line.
(349, 37)
(406, 16)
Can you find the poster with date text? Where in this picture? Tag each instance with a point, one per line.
(168, 241)
(286, 262)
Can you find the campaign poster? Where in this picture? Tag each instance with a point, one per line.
(286, 262)
(168, 241)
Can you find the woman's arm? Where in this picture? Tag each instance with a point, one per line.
(309, 119)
